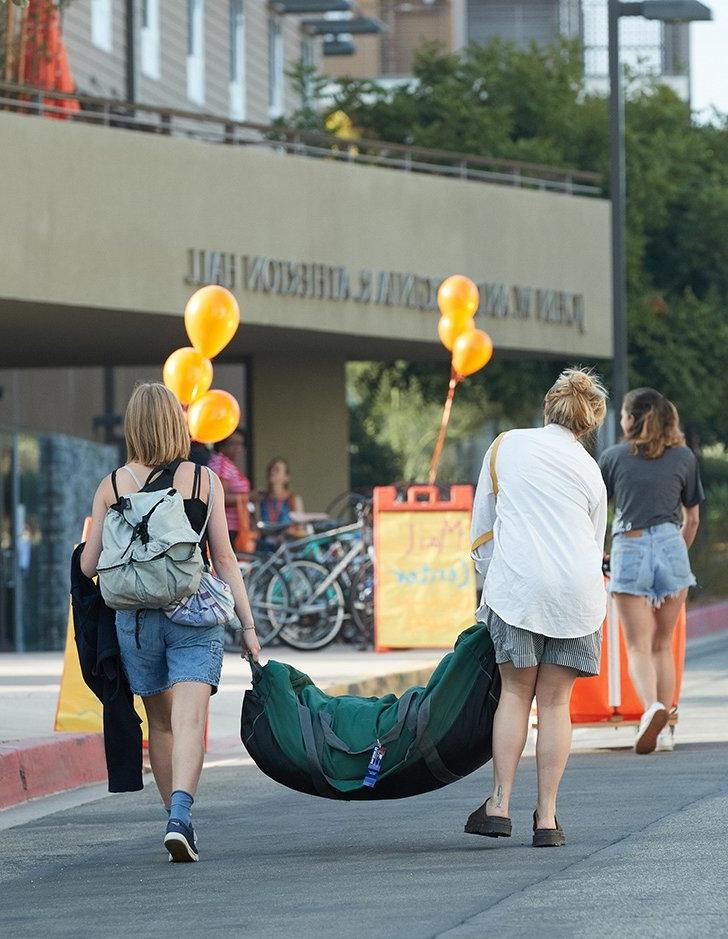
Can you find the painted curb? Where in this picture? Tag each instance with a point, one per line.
(46, 765)
(378, 685)
(707, 620)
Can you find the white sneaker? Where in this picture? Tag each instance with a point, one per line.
(666, 739)
(652, 722)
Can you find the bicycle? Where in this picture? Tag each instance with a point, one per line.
(338, 588)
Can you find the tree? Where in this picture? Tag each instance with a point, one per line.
(502, 101)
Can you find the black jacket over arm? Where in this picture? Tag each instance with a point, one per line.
(98, 653)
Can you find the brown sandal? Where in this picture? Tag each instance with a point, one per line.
(548, 837)
(492, 826)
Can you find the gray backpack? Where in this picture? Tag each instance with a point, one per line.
(150, 553)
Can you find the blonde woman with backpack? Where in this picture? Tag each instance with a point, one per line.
(174, 668)
(539, 521)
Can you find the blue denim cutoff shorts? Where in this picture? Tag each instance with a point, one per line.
(167, 653)
(653, 563)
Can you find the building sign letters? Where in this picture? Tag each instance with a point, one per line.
(314, 281)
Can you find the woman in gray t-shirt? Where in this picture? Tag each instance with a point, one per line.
(653, 480)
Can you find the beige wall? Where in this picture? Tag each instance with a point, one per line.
(114, 236)
(300, 414)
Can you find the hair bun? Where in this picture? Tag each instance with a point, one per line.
(579, 382)
(577, 401)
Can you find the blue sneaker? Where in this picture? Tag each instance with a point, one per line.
(180, 841)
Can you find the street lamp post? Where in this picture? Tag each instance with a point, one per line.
(676, 11)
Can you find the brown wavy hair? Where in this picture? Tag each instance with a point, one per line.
(577, 400)
(656, 425)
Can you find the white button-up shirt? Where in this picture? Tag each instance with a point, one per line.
(543, 563)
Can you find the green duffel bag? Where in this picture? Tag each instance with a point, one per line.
(431, 736)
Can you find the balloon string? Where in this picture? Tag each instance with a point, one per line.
(437, 454)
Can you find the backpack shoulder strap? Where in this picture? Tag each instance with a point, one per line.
(210, 500)
(197, 482)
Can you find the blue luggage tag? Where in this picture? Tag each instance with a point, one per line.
(375, 764)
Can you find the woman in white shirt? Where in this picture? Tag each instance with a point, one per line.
(539, 521)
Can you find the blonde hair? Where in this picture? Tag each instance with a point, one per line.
(155, 427)
(577, 400)
(656, 423)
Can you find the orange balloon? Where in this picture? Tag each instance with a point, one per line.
(471, 351)
(187, 374)
(212, 316)
(449, 331)
(458, 298)
(213, 417)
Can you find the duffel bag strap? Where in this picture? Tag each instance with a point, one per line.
(403, 709)
(314, 763)
(426, 745)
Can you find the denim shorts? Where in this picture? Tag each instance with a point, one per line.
(159, 653)
(653, 563)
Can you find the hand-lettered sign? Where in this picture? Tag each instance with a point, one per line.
(425, 582)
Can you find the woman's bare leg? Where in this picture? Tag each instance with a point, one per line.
(662, 655)
(159, 719)
(510, 730)
(637, 617)
(190, 700)
(553, 745)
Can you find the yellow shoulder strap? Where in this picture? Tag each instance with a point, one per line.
(483, 539)
(493, 454)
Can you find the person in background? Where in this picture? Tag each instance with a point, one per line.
(654, 482)
(276, 503)
(539, 521)
(226, 462)
(199, 453)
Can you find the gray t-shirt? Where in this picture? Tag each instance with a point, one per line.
(650, 492)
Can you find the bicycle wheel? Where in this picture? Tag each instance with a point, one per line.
(313, 619)
(257, 581)
(361, 602)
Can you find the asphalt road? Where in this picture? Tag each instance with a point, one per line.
(646, 857)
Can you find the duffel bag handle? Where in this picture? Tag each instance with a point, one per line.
(255, 667)
(337, 743)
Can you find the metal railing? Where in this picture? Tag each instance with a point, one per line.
(109, 112)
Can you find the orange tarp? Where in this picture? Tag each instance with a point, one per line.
(42, 57)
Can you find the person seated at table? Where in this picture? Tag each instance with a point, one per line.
(276, 503)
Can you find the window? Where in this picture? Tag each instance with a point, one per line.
(275, 67)
(196, 51)
(237, 60)
(101, 28)
(150, 39)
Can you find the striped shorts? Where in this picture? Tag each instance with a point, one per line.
(526, 649)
